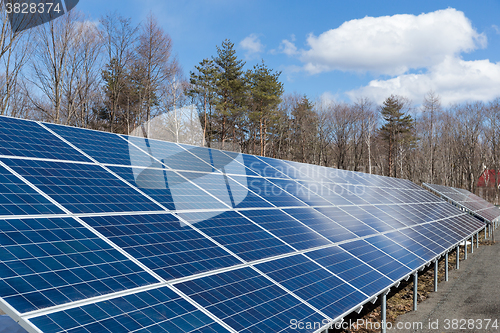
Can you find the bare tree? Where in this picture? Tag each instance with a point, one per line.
(431, 112)
(119, 37)
(368, 123)
(342, 120)
(155, 62)
(13, 101)
(49, 66)
(82, 75)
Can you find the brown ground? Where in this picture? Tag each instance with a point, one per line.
(400, 300)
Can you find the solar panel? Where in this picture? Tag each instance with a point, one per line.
(468, 201)
(46, 262)
(102, 232)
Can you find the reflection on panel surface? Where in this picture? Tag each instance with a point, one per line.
(164, 244)
(46, 262)
(157, 310)
(248, 302)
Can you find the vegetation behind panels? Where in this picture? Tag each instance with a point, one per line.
(113, 76)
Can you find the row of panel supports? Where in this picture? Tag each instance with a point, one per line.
(436, 271)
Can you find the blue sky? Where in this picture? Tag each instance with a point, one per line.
(341, 50)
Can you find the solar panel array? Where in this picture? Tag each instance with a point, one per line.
(108, 233)
(468, 201)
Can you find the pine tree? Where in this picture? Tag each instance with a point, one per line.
(396, 130)
(230, 88)
(202, 92)
(265, 95)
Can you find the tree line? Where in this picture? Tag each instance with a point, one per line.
(113, 75)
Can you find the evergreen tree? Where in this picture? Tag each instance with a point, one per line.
(230, 88)
(397, 129)
(265, 95)
(124, 94)
(202, 93)
(304, 127)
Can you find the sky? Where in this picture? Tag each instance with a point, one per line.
(340, 50)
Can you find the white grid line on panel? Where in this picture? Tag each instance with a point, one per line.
(152, 212)
(176, 172)
(209, 193)
(290, 292)
(105, 168)
(133, 259)
(442, 194)
(92, 300)
(202, 309)
(232, 209)
(172, 282)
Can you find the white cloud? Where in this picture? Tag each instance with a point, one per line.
(454, 79)
(391, 45)
(327, 98)
(287, 47)
(252, 45)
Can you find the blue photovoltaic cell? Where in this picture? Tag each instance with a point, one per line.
(351, 269)
(238, 234)
(400, 214)
(229, 162)
(320, 174)
(225, 189)
(299, 171)
(423, 213)
(248, 302)
(50, 261)
(301, 192)
(367, 218)
(157, 310)
(169, 247)
(313, 284)
(377, 195)
(226, 209)
(372, 195)
(174, 156)
(448, 237)
(469, 223)
(261, 168)
(347, 221)
(383, 216)
(151, 181)
(321, 224)
(286, 228)
(412, 245)
(349, 193)
(17, 198)
(396, 251)
(286, 168)
(450, 225)
(29, 139)
(424, 196)
(82, 188)
(477, 205)
(404, 196)
(102, 146)
(435, 210)
(269, 191)
(168, 188)
(444, 244)
(423, 237)
(376, 259)
(327, 192)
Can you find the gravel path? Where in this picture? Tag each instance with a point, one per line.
(468, 302)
